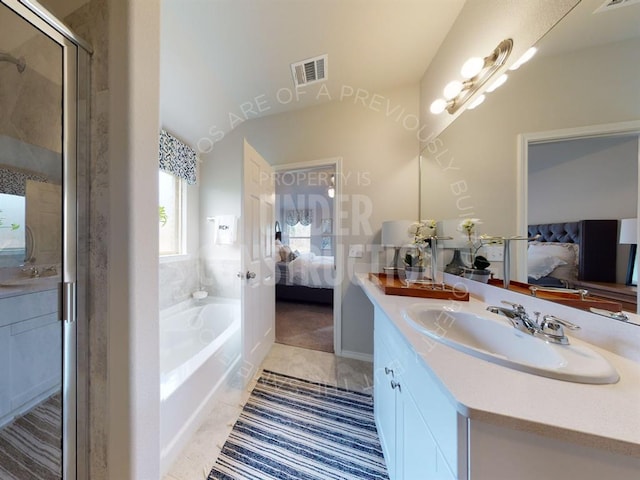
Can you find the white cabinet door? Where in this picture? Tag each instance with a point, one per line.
(384, 402)
(418, 451)
(406, 403)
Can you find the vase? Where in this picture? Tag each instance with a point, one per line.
(414, 274)
(477, 275)
(456, 266)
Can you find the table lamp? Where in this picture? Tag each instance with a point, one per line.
(395, 234)
(629, 236)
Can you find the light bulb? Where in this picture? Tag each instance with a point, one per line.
(476, 102)
(500, 81)
(524, 58)
(472, 67)
(331, 192)
(452, 89)
(438, 106)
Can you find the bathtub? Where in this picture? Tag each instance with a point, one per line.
(199, 347)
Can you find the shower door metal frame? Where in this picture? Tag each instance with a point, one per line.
(73, 312)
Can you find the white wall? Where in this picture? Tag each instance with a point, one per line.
(220, 194)
(586, 178)
(471, 170)
(379, 178)
(132, 351)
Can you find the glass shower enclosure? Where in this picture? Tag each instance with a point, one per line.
(43, 100)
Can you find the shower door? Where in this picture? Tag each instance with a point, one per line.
(38, 261)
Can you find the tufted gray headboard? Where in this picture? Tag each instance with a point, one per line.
(598, 245)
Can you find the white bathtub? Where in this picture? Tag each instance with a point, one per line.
(199, 347)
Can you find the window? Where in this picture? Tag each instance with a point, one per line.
(12, 231)
(172, 207)
(299, 237)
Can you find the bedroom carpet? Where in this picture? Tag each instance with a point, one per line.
(294, 429)
(305, 325)
(30, 447)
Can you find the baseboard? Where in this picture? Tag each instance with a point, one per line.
(365, 357)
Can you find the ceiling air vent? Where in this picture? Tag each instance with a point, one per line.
(611, 4)
(309, 71)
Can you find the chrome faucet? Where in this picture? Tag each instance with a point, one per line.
(550, 329)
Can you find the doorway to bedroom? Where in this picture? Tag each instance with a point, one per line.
(306, 264)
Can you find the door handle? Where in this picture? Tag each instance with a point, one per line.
(249, 275)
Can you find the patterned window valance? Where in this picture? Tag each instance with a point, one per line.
(177, 158)
(14, 182)
(303, 217)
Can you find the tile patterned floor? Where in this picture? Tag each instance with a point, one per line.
(200, 454)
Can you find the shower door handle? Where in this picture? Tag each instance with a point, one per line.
(68, 298)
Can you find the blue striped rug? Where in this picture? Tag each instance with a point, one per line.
(296, 429)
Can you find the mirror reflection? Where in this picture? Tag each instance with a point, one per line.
(30, 159)
(557, 143)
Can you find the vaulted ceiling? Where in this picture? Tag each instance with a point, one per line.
(223, 61)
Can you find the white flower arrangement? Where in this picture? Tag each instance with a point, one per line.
(421, 232)
(468, 226)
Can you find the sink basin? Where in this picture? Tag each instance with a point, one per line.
(492, 338)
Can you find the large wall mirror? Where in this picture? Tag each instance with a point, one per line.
(558, 142)
(30, 150)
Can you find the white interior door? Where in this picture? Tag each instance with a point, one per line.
(258, 264)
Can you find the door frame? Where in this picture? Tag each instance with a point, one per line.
(336, 164)
(74, 274)
(629, 128)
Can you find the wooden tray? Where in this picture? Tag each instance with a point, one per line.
(569, 299)
(392, 285)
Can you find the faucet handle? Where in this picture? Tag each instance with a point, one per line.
(552, 326)
(516, 306)
(553, 318)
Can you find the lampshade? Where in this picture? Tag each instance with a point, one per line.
(629, 231)
(395, 233)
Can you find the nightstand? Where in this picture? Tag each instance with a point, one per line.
(625, 294)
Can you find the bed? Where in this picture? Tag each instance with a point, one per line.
(306, 278)
(572, 251)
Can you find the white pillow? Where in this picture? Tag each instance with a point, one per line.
(540, 265)
(567, 252)
(285, 253)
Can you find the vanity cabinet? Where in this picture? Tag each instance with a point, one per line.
(30, 352)
(423, 435)
(418, 427)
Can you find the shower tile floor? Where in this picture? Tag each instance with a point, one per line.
(201, 452)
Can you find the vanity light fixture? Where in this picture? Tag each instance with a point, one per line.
(528, 55)
(477, 72)
(498, 83)
(477, 101)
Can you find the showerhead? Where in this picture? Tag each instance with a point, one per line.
(20, 63)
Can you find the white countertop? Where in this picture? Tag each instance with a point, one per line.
(600, 416)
